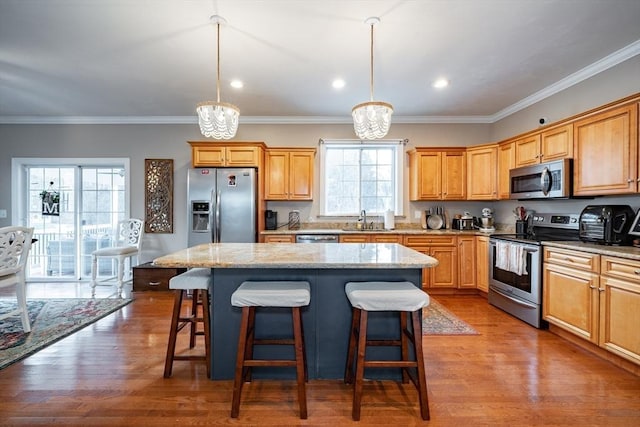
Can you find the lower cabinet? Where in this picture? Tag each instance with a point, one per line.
(279, 238)
(442, 248)
(482, 263)
(594, 297)
(467, 262)
(148, 277)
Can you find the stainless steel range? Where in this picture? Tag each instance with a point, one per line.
(515, 270)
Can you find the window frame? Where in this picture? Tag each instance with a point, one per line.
(396, 144)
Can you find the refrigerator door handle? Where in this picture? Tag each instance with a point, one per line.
(218, 234)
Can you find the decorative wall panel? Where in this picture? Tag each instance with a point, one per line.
(158, 195)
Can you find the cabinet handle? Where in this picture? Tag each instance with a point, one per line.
(636, 271)
(593, 287)
(568, 259)
(601, 289)
(629, 181)
(154, 283)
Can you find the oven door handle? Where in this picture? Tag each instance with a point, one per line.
(517, 301)
(527, 248)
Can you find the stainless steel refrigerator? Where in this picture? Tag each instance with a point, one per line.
(222, 205)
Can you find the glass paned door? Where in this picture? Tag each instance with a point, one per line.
(91, 202)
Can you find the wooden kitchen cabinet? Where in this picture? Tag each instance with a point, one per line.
(437, 174)
(620, 307)
(606, 152)
(289, 173)
(506, 162)
(552, 144)
(279, 238)
(570, 291)
(442, 248)
(213, 154)
(466, 262)
(148, 277)
(482, 263)
(482, 172)
(370, 238)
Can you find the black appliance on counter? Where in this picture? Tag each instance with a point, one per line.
(270, 220)
(606, 224)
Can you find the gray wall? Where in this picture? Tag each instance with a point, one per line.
(169, 141)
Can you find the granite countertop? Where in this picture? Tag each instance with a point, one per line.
(294, 255)
(628, 252)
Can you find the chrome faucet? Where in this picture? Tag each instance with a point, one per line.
(363, 215)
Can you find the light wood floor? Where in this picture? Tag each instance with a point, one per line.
(110, 374)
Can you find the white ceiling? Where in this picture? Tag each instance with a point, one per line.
(154, 60)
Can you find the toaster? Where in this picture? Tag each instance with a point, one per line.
(606, 224)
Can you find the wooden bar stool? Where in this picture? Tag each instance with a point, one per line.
(197, 280)
(249, 295)
(402, 297)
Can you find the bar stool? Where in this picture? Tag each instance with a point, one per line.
(197, 280)
(249, 295)
(402, 297)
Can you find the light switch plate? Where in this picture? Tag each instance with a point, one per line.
(417, 214)
(3, 213)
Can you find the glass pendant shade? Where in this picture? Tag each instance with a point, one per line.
(218, 120)
(372, 120)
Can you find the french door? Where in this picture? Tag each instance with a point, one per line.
(91, 199)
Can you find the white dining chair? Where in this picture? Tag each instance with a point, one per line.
(128, 241)
(15, 244)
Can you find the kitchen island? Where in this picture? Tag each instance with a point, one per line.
(327, 267)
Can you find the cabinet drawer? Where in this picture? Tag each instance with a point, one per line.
(429, 240)
(354, 238)
(386, 238)
(285, 238)
(621, 268)
(147, 277)
(573, 259)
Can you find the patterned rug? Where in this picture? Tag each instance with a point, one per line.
(437, 320)
(51, 320)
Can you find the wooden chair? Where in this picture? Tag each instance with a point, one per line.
(286, 294)
(128, 241)
(15, 244)
(198, 281)
(402, 297)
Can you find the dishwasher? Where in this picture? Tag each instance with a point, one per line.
(317, 238)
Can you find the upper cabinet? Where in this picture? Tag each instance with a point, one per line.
(506, 162)
(482, 167)
(551, 144)
(437, 174)
(216, 154)
(289, 173)
(606, 152)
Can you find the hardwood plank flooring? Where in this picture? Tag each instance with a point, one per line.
(110, 374)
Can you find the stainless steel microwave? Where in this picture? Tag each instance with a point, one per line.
(550, 180)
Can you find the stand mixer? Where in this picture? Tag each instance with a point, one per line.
(486, 221)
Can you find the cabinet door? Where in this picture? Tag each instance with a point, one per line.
(301, 175)
(605, 149)
(239, 156)
(482, 171)
(445, 274)
(506, 161)
(279, 238)
(208, 156)
(557, 143)
(620, 317)
(528, 150)
(354, 238)
(467, 262)
(276, 172)
(454, 176)
(482, 263)
(386, 238)
(571, 300)
(425, 175)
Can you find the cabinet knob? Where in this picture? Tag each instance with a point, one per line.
(592, 287)
(601, 289)
(636, 271)
(629, 181)
(154, 283)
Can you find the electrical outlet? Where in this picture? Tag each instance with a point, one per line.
(417, 214)
(3, 213)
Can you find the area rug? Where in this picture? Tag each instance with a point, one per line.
(437, 320)
(51, 320)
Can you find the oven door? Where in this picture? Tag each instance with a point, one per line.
(525, 287)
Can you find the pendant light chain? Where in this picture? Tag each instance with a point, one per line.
(218, 66)
(371, 68)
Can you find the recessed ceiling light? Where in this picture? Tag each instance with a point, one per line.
(441, 83)
(237, 84)
(338, 84)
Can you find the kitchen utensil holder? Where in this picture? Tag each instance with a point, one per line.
(521, 227)
(294, 220)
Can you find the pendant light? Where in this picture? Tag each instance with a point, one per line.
(218, 120)
(372, 120)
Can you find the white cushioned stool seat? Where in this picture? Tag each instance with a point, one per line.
(272, 294)
(386, 296)
(196, 278)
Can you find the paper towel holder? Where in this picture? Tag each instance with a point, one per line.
(389, 220)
